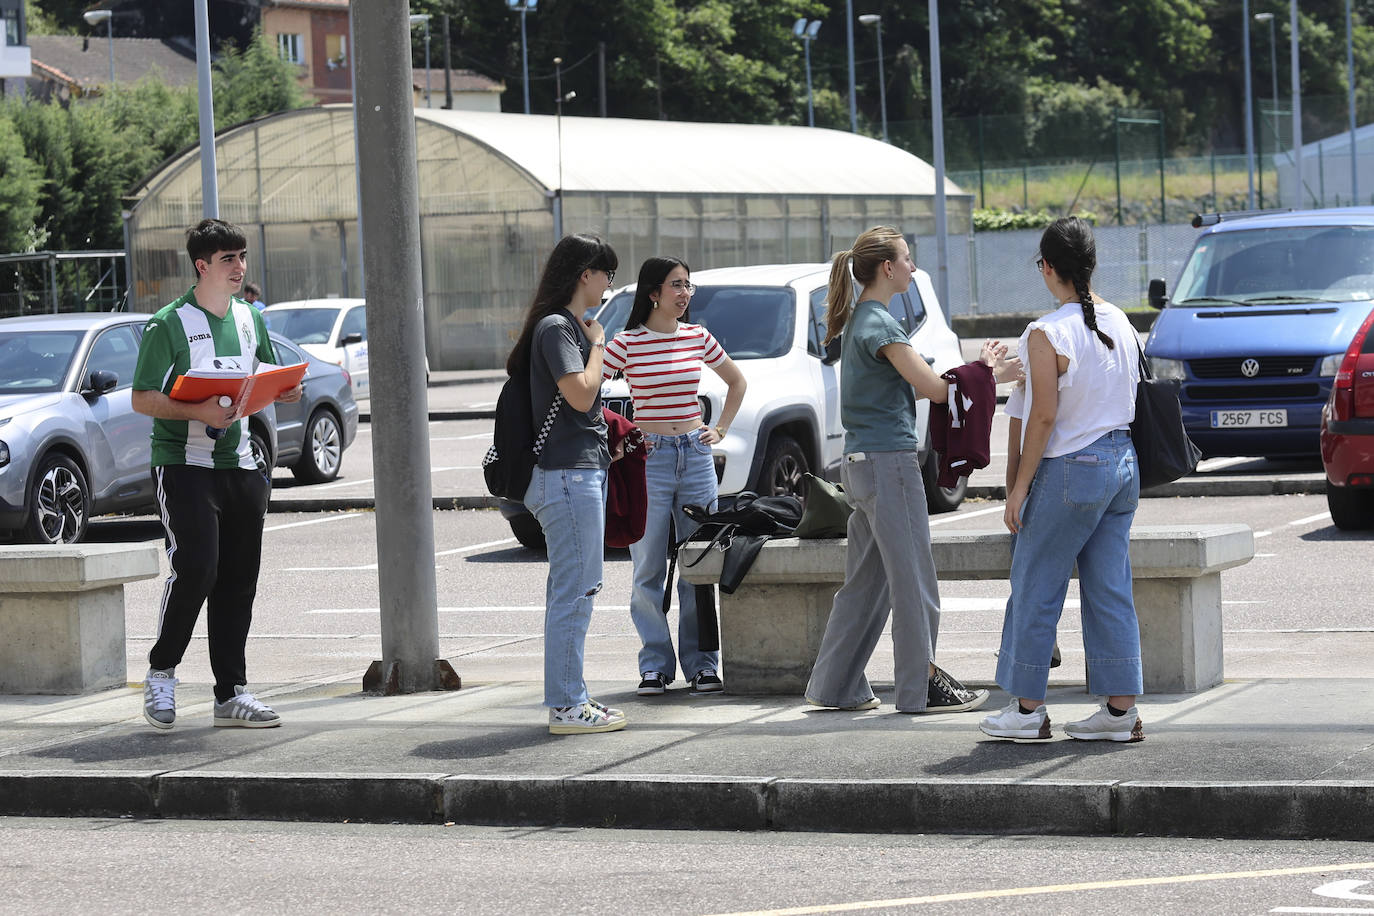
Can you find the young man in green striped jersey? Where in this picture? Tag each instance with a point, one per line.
(210, 493)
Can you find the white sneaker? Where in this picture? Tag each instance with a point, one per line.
(245, 711)
(1103, 726)
(1010, 722)
(586, 719)
(160, 698)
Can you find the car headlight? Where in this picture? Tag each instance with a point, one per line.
(1167, 369)
(4, 453)
(1330, 364)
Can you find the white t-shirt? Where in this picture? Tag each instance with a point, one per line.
(1097, 392)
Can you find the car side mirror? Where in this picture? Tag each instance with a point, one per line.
(1158, 298)
(101, 381)
(353, 338)
(832, 351)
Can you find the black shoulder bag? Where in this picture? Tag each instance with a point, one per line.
(1164, 453)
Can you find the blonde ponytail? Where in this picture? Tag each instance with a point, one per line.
(839, 300)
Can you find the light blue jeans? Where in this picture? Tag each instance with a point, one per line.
(1079, 511)
(570, 506)
(679, 471)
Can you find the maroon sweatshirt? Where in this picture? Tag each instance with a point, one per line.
(961, 430)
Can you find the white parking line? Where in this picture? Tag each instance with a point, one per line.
(459, 438)
(370, 566)
(946, 519)
(1319, 517)
(314, 521)
(1216, 464)
(476, 609)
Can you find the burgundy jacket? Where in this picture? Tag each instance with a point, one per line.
(961, 429)
(627, 495)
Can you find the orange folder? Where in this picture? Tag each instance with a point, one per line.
(250, 392)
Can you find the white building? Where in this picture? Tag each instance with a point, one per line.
(16, 63)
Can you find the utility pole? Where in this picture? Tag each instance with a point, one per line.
(205, 95)
(389, 211)
(448, 67)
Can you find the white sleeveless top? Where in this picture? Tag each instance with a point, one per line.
(1097, 393)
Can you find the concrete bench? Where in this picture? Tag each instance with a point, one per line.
(771, 627)
(62, 615)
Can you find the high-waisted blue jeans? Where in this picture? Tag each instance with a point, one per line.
(1079, 511)
(679, 471)
(570, 505)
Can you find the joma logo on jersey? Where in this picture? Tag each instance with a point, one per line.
(195, 337)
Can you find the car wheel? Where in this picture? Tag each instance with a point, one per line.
(527, 531)
(941, 499)
(1351, 509)
(261, 452)
(60, 501)
(322, 455)
(784, 469)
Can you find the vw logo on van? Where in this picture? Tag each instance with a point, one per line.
(1250, 368)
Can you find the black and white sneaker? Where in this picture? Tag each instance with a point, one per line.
(652, 684)
(945, 694)
(707, 682)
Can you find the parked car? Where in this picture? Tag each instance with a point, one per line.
(72, 447)
(1258, 326)
(334, 330)
(771, 320)
(1347, 434)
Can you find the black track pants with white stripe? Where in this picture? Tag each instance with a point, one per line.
(212, 520)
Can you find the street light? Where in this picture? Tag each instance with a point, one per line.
(522, 7)
(559, 99)
(95, 17)
(874, 19)
(415, 20)
(1249, 106)
(1274, 80)
(806, 31)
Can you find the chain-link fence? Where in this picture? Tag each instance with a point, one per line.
(62, 281)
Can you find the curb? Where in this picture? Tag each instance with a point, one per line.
(353, 503)
(1330, 810)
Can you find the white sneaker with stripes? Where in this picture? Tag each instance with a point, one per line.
(245, 711)
(160, 698)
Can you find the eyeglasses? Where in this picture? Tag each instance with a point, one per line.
(1039, 263)
(680, 285)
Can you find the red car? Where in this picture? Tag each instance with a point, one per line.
(1347, 435)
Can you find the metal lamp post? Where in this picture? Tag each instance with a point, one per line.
(806, 31)
(1274, 83)
(874, 19)
(1249, 106)
(95, 17)
(415, 20)
(524, 7)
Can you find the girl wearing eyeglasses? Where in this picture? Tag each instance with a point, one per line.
(562, 354)
(661, 353)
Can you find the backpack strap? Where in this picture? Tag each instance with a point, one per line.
(547, 426)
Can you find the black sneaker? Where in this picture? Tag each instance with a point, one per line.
(652, 684)
(707, 682)
(945, 694)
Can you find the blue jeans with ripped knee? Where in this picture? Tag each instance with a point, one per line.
(570, 505)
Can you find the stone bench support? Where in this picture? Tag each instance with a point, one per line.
(62, 615)
(771, 627)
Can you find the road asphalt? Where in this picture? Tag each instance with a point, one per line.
(1282, 755)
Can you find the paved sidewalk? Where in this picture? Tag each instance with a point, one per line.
(1268, 757)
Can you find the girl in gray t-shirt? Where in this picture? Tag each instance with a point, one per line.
(567, 491)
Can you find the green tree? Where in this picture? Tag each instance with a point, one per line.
(253, 82)
(20, 185)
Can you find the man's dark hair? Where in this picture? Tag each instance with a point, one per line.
(211, 235)
(252, 292)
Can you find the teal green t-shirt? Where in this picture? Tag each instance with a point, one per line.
(877, 405)
(182, 336)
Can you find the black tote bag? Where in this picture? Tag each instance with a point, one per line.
(1164, 453)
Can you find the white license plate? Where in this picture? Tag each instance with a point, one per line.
(1232, 419)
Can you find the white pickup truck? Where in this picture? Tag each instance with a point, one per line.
(771, 320)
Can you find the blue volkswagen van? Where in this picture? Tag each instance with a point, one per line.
(1259, 321)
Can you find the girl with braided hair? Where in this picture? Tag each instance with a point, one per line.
(1072, 490)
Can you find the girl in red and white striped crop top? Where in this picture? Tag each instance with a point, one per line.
(661, 354)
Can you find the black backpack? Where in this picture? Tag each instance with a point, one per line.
(515, 446)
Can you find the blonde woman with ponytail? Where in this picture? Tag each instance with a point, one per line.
(888, 565)
(1072, 491)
